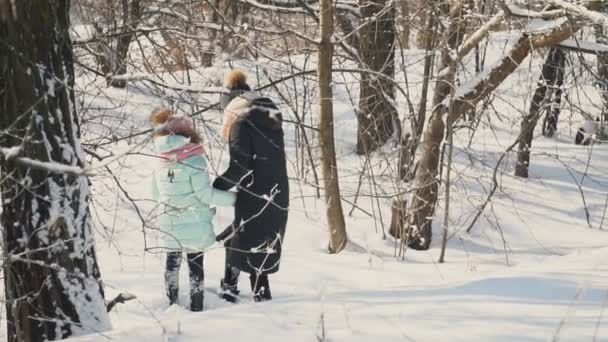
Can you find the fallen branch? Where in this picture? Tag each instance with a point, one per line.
(120, 299)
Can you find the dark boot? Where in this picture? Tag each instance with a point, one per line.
(260, 287)
(229, 293)
(229, 285)
(174, 260)
(197, 278)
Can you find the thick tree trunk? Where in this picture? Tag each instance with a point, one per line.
(52, 281)
(377, 116)
(335, 215)
(420, 219)
(550, 73)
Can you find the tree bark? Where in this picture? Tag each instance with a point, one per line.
(410, 145)
(335, 216)
(404, 23)
(377, 116)
(52, 281)
(131, 14)
(424, 10)
(554, 99)
(548, 78)
(398, 217)
(602, 68)
(112, 50)
(422, 206)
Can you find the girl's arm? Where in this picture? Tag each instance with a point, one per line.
(199, 179)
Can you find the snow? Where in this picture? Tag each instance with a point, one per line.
(594, 16)
(10, 152)
(553, 286)
(523, 12)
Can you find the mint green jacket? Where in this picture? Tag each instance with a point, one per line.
(185, 196)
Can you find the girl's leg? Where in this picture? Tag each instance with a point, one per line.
(197, 277)
(174, 260)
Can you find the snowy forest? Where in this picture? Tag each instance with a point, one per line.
(393, 170)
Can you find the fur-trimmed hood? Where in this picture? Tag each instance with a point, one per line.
(261, 111)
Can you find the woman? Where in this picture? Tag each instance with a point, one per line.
(182, 188)
(253, 129)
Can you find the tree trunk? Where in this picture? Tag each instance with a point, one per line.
(52, 281)
(554, 98)
(114, 60)
(420, 213)
(208, 47)
(335, 215)
(446, 217)
(409, 146)
(398, 217)
(550, 73)
(602, 64)
(377, 116)
(404, 23)
(424, 10)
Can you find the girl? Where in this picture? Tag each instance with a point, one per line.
(182, 188)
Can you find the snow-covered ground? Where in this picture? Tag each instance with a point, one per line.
(532, 269)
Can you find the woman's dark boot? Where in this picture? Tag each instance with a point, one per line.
(260, 287)
(228, 285)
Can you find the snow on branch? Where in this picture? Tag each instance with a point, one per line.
(584, 11)
(540, 25)
(283, 8)
(540, 33)
(518, 12)
(479, 34)
(584, 46)
(304, 7)
(150, 78)
(469, 93)
(12, 153)
(349, 7)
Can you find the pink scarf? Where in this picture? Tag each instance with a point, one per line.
(181, 153)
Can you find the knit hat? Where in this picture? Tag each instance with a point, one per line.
(236, 84)
(181, 125)
(164, 121)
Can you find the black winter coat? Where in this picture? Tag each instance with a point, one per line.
(258, 168)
